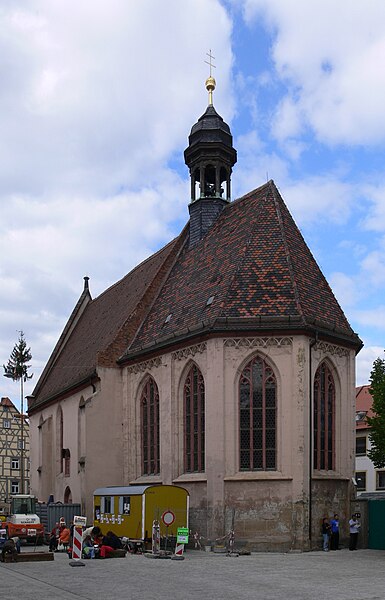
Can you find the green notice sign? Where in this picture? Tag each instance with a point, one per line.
(182, 535)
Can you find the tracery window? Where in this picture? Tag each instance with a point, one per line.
(150, 428)
(194, 421)
(324, 418)
(258, 417)
(59, 440)
(67, 462)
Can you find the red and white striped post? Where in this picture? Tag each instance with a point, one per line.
(77, 541)
(181, 540)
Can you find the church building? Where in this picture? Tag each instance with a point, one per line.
(223, 363)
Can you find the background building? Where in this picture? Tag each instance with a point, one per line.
(10, 451)
(369, 479)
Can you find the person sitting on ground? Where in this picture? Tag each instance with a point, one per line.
(9, 549)
(93, 531)
(72, 527)
(17, 543)
(97, 536)
(64, 537)
(88, 547)
(53, 538)
(114, 541)
(87, 531)
(110, 542)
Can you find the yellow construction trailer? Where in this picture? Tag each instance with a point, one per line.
(130, 510)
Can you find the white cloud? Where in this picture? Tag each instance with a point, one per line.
(100, 93)
(255, 164)
(331, 56)
(288, 120)
(96, 98)
(371, 317)
(375, 217)
(364, 363)
(318, 199)
(346, 289)
(373, 267)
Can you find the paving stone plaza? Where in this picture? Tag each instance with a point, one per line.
(341, 575)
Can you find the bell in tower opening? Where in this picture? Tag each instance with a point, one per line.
(210, 157)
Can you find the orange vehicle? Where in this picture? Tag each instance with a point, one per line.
(23, 521)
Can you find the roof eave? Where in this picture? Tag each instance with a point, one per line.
(292, 324)
(64, 393)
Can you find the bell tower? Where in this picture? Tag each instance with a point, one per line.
(210, 157)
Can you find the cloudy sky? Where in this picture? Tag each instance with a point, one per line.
(97, 99)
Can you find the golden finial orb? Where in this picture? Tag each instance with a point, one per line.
(210, 87)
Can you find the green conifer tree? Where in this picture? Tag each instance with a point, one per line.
(17, 369)
(17, 366)
(377, 422)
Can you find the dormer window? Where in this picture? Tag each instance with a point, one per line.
(360, 416)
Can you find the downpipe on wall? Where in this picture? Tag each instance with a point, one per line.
(312, 343)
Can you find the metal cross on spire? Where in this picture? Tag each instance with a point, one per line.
(209, 62)
(210, 81)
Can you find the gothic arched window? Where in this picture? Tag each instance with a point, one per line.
(324, 407)
(67, 462)
(67, 496)
(150, 428)
(59, 440)
(194, 421)
(257, 417)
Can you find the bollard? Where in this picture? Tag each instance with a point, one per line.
(155, 537)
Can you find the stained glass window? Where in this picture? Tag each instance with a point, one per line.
(150, 429)
(324, 401)
(257, 417)
(194, 421)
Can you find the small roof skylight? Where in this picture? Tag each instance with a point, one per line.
(210, 300)
(360, 415)
(168, 318)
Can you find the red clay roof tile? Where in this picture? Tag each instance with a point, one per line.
(253, 260)
(256, 263)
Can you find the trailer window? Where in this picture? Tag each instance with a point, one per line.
(124, 505)
(106, 503)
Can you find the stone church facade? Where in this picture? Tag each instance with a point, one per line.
(223, 363)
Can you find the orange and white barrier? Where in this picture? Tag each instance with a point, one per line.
(179, 548)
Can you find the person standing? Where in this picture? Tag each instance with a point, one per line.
(325, 534)
(335, 533)
(354, 528)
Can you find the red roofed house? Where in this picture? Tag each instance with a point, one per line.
(223, 363)
(369, 480)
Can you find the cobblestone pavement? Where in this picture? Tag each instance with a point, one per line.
(341, 575)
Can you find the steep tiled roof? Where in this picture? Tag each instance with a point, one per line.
(105, 327)
(256, 264)
(253, 264)
(5, 401)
